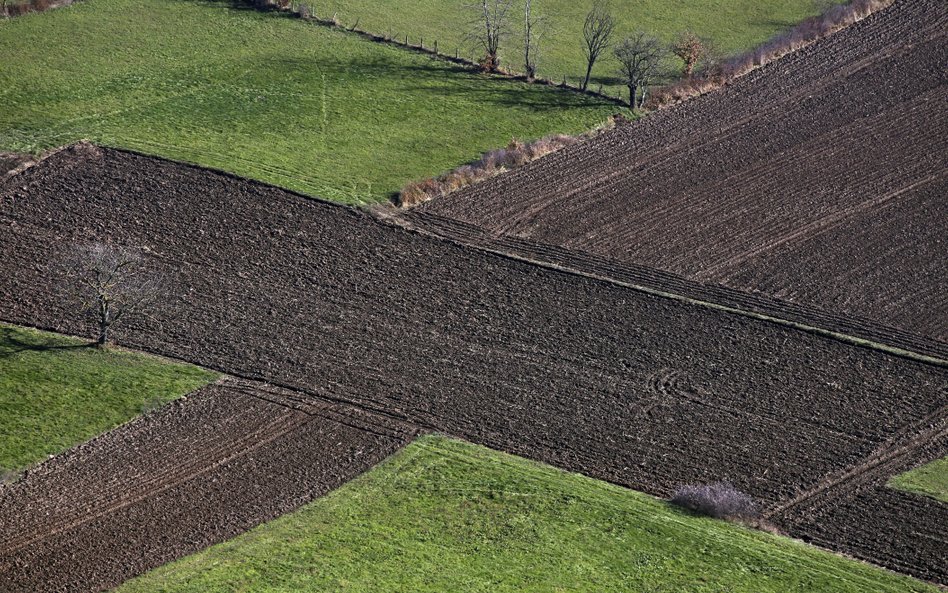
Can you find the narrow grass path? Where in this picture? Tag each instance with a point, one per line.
(444, 515)
(262, 95)
(56, 392)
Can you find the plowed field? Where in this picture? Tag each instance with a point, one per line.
(819, 179)
(586, 374)
(199, 471)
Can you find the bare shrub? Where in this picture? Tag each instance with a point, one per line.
(719, 500)
(304, 11)
(835, 18)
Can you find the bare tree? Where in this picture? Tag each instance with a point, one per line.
(640, 58)
(597, 35)
(111, 283)
(533, 28)
(489, 27)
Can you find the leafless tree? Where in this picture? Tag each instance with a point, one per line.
(111, 283)
(533, 28)
(597, 35)
(640, 59)
(489, 28)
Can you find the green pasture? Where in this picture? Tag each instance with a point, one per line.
(732, 25)
(56, 391)
(261, 95)
(443, 515)
(930, 479)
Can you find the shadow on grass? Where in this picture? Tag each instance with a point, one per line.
(11, 343)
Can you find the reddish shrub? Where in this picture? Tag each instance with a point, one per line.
(719, 500)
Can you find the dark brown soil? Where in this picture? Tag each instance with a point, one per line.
(197, 472)
(588, 375)
(818, 179)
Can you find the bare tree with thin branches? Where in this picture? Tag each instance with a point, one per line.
(111, 283)
(489, 28)
(640, 59)
(597, 35)
(534, 27)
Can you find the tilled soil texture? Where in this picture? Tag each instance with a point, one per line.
(585, 374)
(818, 179)
(199, 471)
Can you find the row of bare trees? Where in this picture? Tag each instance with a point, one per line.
(641, 57)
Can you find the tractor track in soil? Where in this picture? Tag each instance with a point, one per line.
(384, 326)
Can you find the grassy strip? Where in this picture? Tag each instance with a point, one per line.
(733, 25)
(262, 95)
(56, 392)
(444, 515)
(930, 479)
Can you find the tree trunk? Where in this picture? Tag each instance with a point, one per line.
(632, 93)
(589, 69)
(105, 321)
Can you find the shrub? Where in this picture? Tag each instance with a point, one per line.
(719, 500)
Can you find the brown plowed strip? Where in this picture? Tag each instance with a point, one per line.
(199, 471)
(777, 184)
(384, 324)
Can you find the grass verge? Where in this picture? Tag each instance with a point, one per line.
(56, 392)
(443, 515)
(262, 95)
(930, 480)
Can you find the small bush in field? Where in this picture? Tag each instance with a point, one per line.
(719, 500)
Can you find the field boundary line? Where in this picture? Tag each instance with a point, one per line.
(885, 459)
(418, 223)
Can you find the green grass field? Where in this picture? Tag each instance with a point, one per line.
(733, 25)
(930, 479)
(443, 515)
(56, 392)
(261, 95)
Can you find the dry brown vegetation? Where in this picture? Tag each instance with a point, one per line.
(495, 162)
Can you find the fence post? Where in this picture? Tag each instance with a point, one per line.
(406, 38)
(436, 46)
